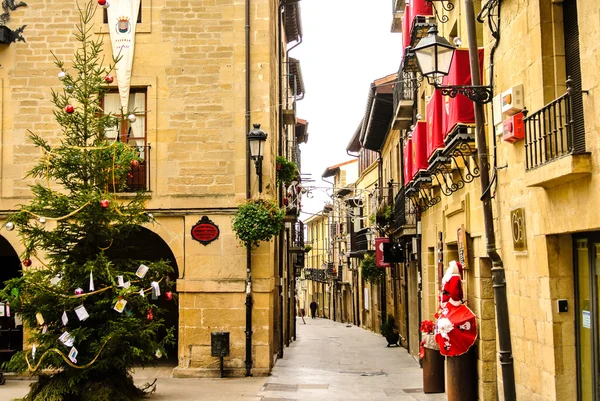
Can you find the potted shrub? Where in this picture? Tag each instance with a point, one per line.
(257, 220)
(286, 170)
(389, 330)
(433, 361)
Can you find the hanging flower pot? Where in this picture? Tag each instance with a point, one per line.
(257, 220)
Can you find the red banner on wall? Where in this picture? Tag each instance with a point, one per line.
(459, 110)
(408, 169)
(379, 251)
(421, 7)
(419, 137)
(435, 135)
(406, 25)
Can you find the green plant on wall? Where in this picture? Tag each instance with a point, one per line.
(286, 170)
(370, 272)
(257, 220)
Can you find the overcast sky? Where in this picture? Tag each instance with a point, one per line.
(347, 44)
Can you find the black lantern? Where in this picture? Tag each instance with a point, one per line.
(256, 141)
(434, 55)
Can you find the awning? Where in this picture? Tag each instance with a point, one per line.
(295, 78)
(292, 22)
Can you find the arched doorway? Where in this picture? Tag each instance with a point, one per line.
(146, 245)
(11, 330)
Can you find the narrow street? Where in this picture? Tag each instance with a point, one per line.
(332, 361)
(329, 361)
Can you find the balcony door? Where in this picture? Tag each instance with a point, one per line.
(131, 132)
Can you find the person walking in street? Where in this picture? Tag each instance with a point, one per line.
(313, 309)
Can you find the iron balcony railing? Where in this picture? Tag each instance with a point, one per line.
(362, 240)
(553, 132)
(138, 177)
(404, 88)
(404, 212)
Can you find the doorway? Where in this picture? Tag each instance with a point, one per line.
(146, 245)
(11, 330)
(587, 317)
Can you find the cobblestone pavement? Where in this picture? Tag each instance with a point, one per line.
(329, 361)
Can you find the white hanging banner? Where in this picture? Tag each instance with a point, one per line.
(122, 19)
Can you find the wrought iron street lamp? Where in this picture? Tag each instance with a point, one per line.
(434, 55)
(256, 140)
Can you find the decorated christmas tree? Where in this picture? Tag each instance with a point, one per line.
(91, 313)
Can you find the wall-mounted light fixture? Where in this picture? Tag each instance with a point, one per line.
(445, 4)
(434, 55)
(256, 140)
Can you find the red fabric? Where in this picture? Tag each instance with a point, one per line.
(408, 169)
(420, 7)
(452, 290)
(460, 109)
(463, 333)
(435, 135)
(406, 26)
(379, 251)
(419, 137)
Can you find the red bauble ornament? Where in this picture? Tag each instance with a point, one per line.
(135, 163)
(69, 108)
(109, 78)
(101, 2)
(104, 203)
(169, 295)
(129, 175)
(150, 314)
(27, 262)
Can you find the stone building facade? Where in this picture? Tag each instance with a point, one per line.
(194, 103)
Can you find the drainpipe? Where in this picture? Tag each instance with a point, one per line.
(498, 275)
(280, 189)
(248, 196)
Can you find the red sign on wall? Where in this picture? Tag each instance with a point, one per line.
(205, 231)
(379, 251)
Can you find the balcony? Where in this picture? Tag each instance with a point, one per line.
(555, 143)
(138, 177)
(363, 238)
(405, 215)
(404, 95)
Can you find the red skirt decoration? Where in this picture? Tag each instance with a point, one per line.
(455, 330)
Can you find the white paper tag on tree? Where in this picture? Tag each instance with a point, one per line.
(66, 339)
(141, 271)
(73, 355)
(82, 314)
(120, 305)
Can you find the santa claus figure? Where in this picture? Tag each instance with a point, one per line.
(452, 285)
(455, 330)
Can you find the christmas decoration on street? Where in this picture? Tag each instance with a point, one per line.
(455, 330)
(82, 345)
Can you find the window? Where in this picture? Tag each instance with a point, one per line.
(131, 133)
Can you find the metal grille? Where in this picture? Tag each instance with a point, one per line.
(404, 213)
(404, 88)
(550, 132)
(280, 387)
(138, 178)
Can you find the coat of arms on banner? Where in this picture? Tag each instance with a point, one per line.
(123, 25)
